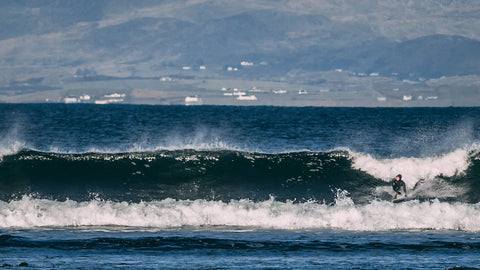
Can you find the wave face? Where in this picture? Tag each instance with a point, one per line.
(286, 168)
(183, 174)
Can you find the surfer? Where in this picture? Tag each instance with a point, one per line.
(398, 186)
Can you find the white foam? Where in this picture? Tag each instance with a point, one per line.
(413, 169)
(10, 148)
(11, 143)
(379, 215)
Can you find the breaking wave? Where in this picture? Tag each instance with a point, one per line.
(227, 174)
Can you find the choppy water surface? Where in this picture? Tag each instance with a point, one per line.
(259, 187)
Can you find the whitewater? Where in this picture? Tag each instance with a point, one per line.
(169, 213)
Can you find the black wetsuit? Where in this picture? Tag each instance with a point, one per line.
(398, 186)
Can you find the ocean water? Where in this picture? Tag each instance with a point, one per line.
(175, 187)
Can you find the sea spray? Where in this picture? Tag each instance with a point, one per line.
(414, 169)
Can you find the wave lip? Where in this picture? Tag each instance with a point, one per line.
(10, 147)
(415, 169)
(344, 214)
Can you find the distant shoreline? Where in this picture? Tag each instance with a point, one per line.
(225, 91)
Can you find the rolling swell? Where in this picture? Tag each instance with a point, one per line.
(177, 243)
(183, 174)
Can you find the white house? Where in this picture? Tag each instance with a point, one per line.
(302, 92)
(85, 97)
(194, 100)
(251, 97)
(108, 101)
(70, 100)
(245, 63)
(239, 93)
(115, 95)
(381, 99)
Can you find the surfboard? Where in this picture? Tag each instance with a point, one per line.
(403, 199)
(422, 199)
(399, 198)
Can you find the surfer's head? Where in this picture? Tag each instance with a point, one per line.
(399, 176)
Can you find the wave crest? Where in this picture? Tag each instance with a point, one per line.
(412, 169)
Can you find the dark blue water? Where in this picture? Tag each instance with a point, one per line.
(85, 186)
(233, 248)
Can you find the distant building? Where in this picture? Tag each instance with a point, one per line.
(70, 100)
(255, 90)
(101, 102)
(302, 92)
(239, 93)
(245, 63)
(251, 97)
(166, 79)
(108, 101)
(85, 97)
(115, 95)
(194, 100)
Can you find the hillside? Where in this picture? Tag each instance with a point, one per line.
(49, 41)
